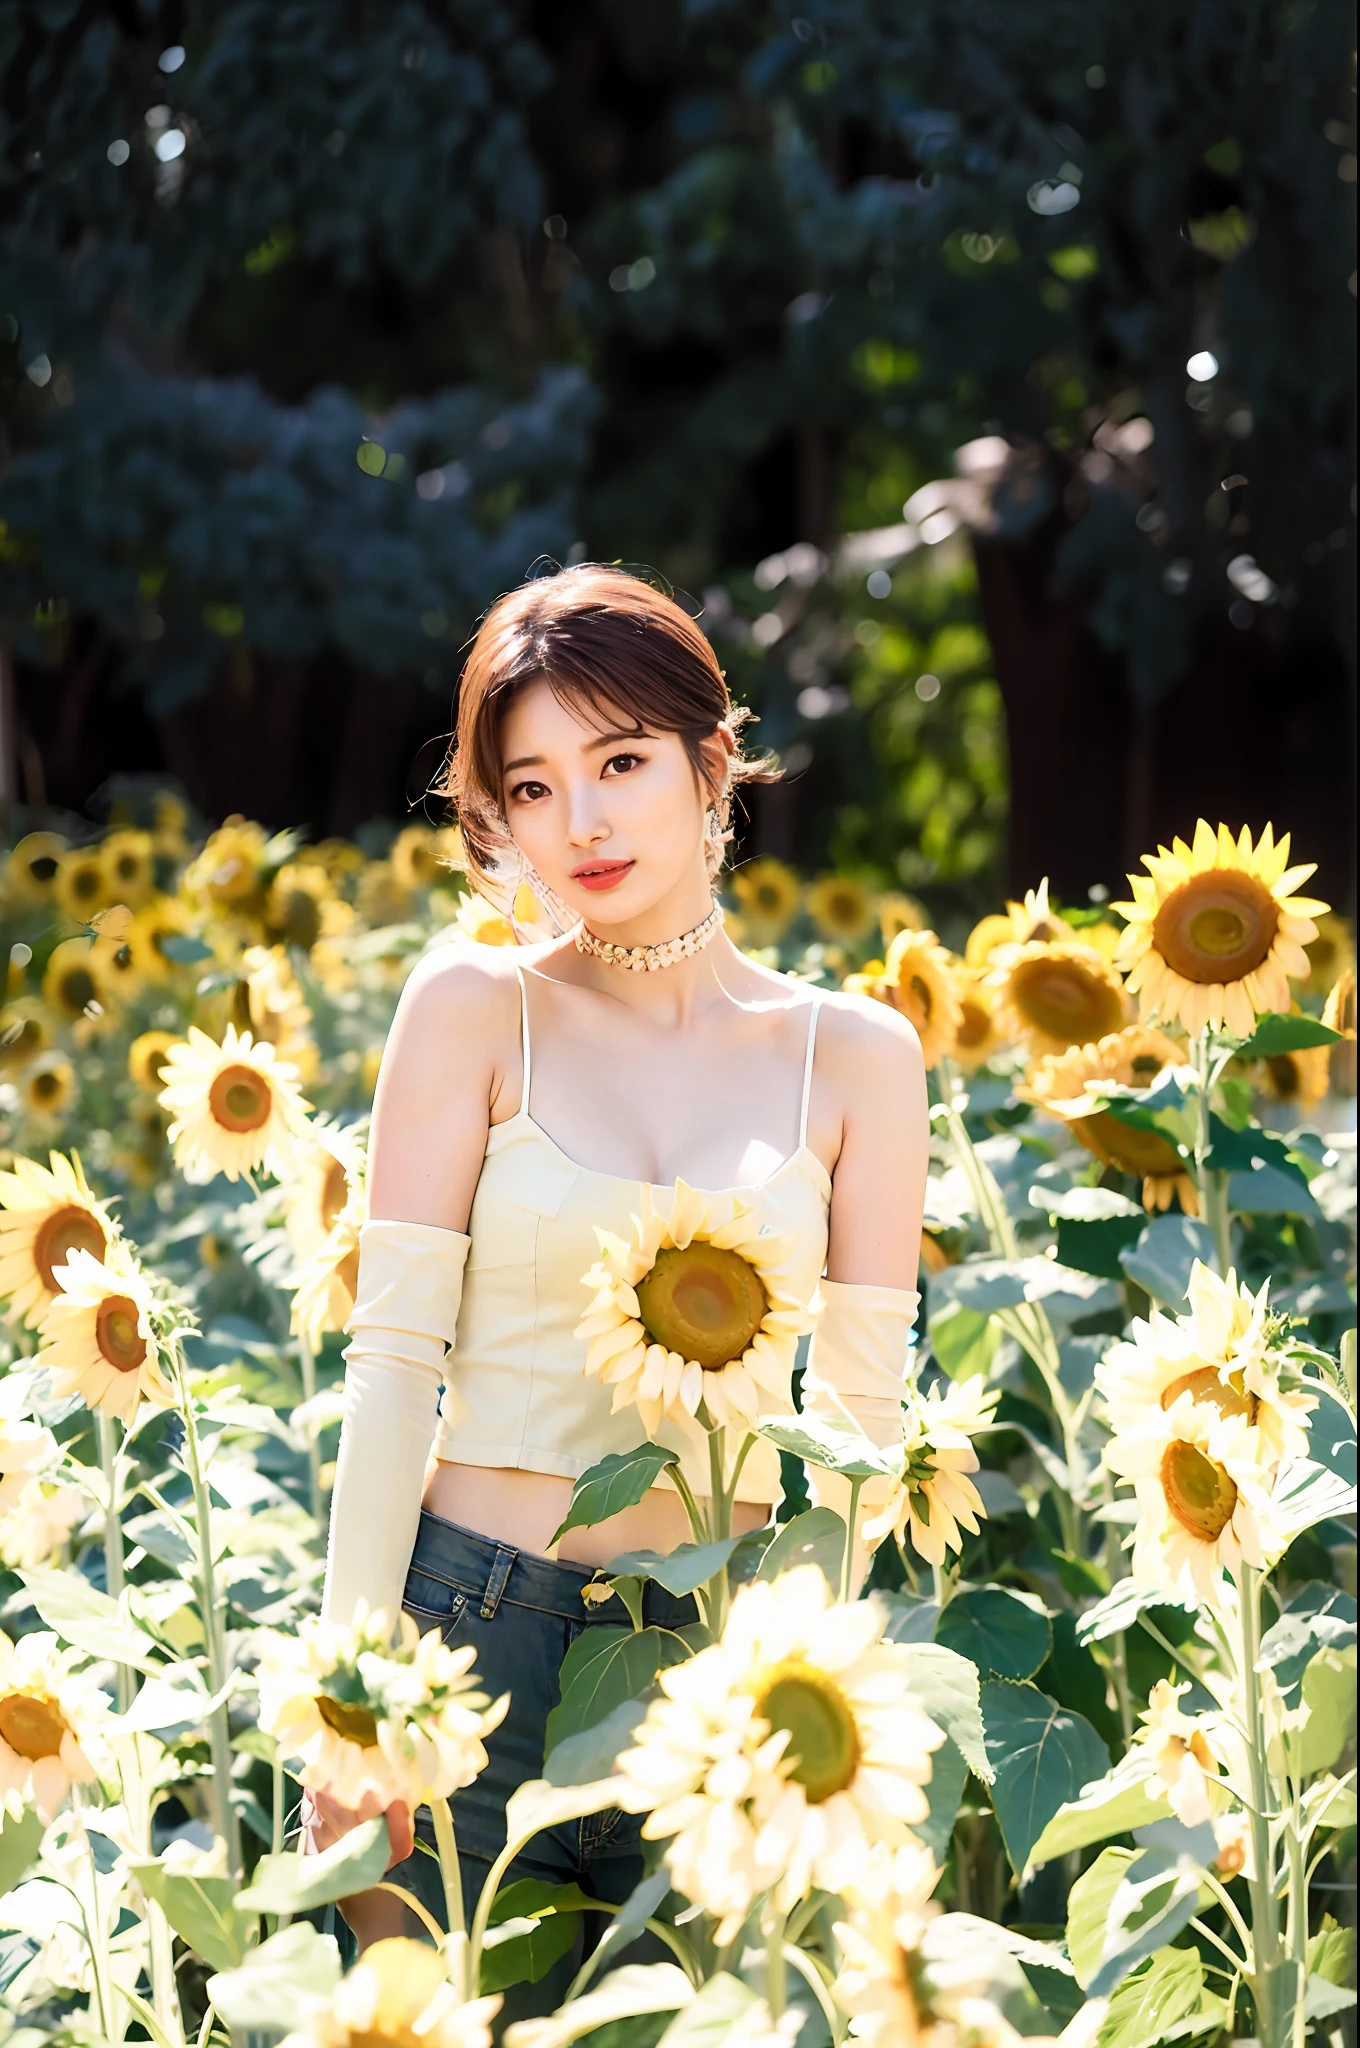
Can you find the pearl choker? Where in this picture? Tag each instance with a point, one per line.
(651, 959)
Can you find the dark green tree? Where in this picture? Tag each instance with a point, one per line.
(321, 321)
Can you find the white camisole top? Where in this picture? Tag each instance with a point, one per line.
(515, 1391)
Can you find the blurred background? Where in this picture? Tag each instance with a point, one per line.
(980, 371)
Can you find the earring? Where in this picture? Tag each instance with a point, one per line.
(559, 916)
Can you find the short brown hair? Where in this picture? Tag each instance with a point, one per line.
(602, 638)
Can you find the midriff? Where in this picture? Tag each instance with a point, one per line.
(525, 1509)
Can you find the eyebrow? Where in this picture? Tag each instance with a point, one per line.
(606, 739)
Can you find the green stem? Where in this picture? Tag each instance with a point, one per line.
(1119, 1660)
(219, 1733)
(111, 1466)
(848, 1560)
(942, 1585)
(720, 1511)
(452, 1877)
(1265, 1905)
(307, 1363)
(1297, 1927)
(1213, 1185)
(697, 1521)
(776, 1996)
(811, 1976)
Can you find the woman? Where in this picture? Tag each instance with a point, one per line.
(529, 1095)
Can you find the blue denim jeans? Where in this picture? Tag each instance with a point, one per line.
(521, 1612)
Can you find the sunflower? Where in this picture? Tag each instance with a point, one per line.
(1020, 924)
(146, 1058)
(421, 857)
(398, 1995)
(934, 1494)
(898, 913)
(36, 1518)
(979, 1035)
(32, 867)
(295, 908)
(1218, 1351)
(341, 859)
(117, 964)
(96, 1337)
(324, 1295)
(1067, 1085)
(1338, 1014)
(403, 1720)
(693, 1311)
(883, 1985)
(47, 1214)
(381, 898)
(228, 873)
(48, 1087)
(236, 1107)
(1331, 954)
(326, 1173)
(1203, 1497)
(1055, 993)
(841, 908)
(164, 917)
(128, 860)
(768, 895)
(266, 1000)
(780, 1754)
(1184, 1760)
(1299, 1079)
(483, 922)
(922, 984)
(52, 1723)
(24, 1031)
(1215, 931)
(76, 984)
(82, 885)
(170, 819)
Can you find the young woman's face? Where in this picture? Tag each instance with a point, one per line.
(613, 822)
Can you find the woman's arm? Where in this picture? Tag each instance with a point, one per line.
(857, 1365)
(878, 1193)
(444, 1073)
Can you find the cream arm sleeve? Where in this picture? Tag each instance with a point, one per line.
(857, 1375)
(404, 1318)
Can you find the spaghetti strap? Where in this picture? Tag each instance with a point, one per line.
(524, 1040)
(807, 1070)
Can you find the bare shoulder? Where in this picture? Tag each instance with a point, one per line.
(857, 1028)
(463, 994)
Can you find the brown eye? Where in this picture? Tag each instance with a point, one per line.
(619, 764)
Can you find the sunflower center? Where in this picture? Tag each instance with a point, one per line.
(1144, 1067)
(920, 992)
(1065, 1000)
(974, 1024)
(43, 867)
(1132, 1150)
(1283, 1069)
(823, 1744)
(240, 1099)
(301, 920)
(334, 1191)
(1230, 1397)
(704, 1302)
(117, 1334)
(67, 1230)
(78, 990)
(768, 898)
(1199, 1492)
(1216, 927)
(85, 882)
(350, 1723)
(33, 1726)
(46, 1085)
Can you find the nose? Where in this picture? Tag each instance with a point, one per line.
(586, 824)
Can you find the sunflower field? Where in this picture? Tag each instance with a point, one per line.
(1035, 1721)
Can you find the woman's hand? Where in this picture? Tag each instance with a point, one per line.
(374, 1915)
(325, 1822)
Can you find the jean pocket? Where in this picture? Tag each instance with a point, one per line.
(432, 1604)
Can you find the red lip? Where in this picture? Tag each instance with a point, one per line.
(602, 874)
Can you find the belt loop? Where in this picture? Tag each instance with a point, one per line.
(501, 1569)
